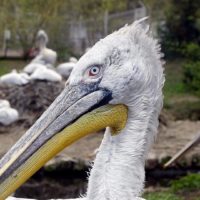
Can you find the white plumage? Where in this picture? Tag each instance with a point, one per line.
(131, 67)
(65, 69)
(15, 78)
(46, 57)
(73, 60)
(30, 68)
(46, 74)
(4, 103)
(8, 115)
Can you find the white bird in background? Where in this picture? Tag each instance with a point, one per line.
(4, 103)
(73, 59)
(8, 115)
(30, 68)
(41, 67)
(117, 84)
(46, 74)
(46, 57)
(65, 69)
(15, 78)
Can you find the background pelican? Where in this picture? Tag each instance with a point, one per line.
(46, 74)
(116, 84)
(65, 69)
(15, 78)
(8, 115)
(46, 57)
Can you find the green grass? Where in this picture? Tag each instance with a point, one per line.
(166, 195)
(7, 65)
(174, 76)
(188, 183)
(185, 188)
(177, 99)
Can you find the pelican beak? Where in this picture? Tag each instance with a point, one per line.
(76, 112)
(185, 149)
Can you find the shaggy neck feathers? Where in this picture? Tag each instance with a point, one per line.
(118, 170)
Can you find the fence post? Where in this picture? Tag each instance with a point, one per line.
(105, 23)
(6, 39)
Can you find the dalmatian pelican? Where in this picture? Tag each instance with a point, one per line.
(15, 78)
(116, 85)
(46, 57)
(8, 115)
(65, 69)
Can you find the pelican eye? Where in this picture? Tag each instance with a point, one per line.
(94, 71)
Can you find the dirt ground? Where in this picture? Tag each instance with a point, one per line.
(171, 138)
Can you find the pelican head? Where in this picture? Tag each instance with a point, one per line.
(41, 39)
(117, 84)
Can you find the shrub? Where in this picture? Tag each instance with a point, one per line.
(191, 51)
(192, 77)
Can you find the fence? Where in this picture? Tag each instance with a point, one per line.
(77, 36)
(85, 33)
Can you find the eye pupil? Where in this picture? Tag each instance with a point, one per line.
(94, 71)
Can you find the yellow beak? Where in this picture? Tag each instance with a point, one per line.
(40, 144)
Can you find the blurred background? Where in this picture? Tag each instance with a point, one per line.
(69, 28)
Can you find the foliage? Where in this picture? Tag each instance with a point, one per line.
(187, 183)
(174, 75)
(182, 189)
(182, 27)
(64, 54)
(192, 76)
(191, 51)
(25, 18)
(90, 8)
(180, 38)
(178, 98)
(161, 196)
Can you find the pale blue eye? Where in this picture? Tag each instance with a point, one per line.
(94, 70)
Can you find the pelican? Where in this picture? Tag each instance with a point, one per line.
(15, 78)
(46, 57)
(30, 68)
(116, 85)
(73, 59)
(8, 115)
(4, 103)
(65, 69)
(46, 74)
